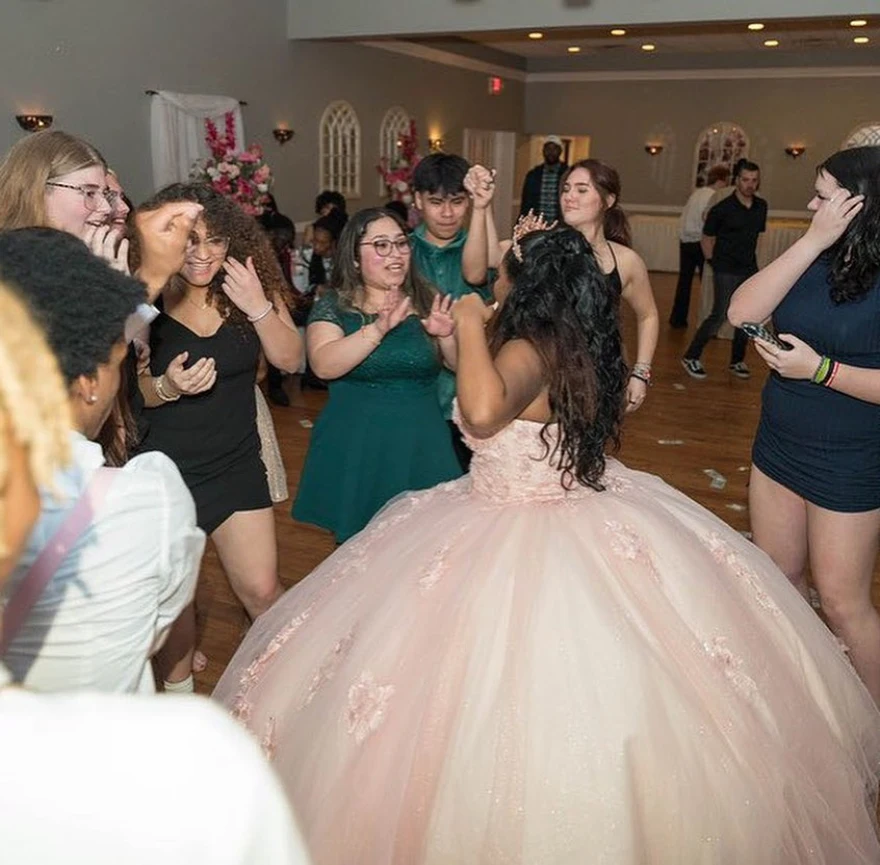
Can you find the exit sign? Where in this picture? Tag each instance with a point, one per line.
(496, 85)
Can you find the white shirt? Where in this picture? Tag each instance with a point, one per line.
(109, 605)
(691, 223)
(105, 779)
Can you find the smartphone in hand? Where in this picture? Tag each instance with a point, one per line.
(758, 331)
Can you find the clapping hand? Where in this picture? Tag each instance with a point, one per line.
(479, 183)
(439, 322)
(800, 361)
(107, 242)
(197, 379)
(394, 310)
(243, 287)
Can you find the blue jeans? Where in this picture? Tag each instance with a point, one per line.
(725, 285)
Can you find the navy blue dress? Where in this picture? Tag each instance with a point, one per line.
(824, 445)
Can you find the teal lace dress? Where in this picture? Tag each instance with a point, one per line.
(382, 431)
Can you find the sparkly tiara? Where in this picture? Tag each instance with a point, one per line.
(526, 225)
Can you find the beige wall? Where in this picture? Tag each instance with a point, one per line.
(621, 116)
(88, 63)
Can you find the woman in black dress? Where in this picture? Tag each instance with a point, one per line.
(815, 485)
(227, 305)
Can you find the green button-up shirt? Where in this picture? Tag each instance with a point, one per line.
(441, 266)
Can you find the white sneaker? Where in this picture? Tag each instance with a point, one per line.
(740, 370)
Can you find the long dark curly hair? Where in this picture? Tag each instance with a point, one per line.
(223, 217)
(562, 304)
(855, 258)
(346, 278)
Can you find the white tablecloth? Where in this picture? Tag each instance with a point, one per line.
(655, 239)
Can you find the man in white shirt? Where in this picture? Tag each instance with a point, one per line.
(690, 231)
(132, 568)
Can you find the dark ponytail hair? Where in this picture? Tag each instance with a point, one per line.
(562, 304)
(855, 258)
(606, 179)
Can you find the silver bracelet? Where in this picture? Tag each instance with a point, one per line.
(253, 319)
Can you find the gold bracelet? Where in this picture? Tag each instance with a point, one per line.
(159, 387)
(367, 338)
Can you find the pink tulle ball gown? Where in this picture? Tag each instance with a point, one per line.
(497, 670)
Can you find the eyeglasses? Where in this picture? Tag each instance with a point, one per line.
(216, 245)
(91, 194)
(383, 247)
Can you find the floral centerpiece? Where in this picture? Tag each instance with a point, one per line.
(398, 172)
(242, 175)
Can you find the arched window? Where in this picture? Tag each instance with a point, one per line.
(340, 156)
(394, 124)
(721, 143)
(869, 134)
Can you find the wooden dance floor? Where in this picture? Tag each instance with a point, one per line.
(685, 428)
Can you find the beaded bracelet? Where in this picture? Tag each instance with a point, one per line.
(253, 319)
(641, 371)
(159, 387)
(647, 381)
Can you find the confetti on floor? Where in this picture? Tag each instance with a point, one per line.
(678, 386)
(717, 480)
(305, 423)
(746, 535)
(743, 468)
(736, 507)
(670, 441)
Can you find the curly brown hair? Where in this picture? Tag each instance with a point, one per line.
(222, 216)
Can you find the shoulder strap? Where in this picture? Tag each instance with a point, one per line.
(39, 574)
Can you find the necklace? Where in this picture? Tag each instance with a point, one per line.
(201, 306)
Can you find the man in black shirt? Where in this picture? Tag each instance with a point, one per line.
(730, 237)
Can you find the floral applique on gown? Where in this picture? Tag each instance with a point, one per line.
(497, 670)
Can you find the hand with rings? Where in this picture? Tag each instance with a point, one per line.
(800, 361)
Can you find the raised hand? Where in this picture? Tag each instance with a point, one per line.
(439, 322)
(479, 183)
(107, 242)
(471, 307)
(394, 310)
(162, 237)
(243, 287)
(833, 217)
(197, 379)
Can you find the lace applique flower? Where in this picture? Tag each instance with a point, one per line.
(724, 554)
(328, 668)
(268, 741)
(629, 545)
(367, 702)
(731, 665)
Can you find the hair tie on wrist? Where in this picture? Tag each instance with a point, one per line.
(253, 319)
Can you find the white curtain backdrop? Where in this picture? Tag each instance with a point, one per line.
(177, 131)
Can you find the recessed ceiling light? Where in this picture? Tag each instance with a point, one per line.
(618, 31)
(861, 40)
(771, 43)
(536, 35)
(858, 22)
(756, 26)
(574, 49)
(648, 47)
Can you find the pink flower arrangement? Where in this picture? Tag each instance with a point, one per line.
(242, 175)
(398, 172)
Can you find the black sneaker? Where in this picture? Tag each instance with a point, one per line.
(740, 370)
(693, 367)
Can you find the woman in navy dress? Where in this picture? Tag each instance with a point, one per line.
(815, 484)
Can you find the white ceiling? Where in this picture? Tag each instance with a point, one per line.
(688, 39)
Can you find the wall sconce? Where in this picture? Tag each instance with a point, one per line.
(795, 150)
(436, 144)
(282, 134)
(34, 122)
(653, 149)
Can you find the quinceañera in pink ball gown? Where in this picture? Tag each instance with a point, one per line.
(498, 670)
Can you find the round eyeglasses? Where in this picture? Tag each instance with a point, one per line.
(92, 195)
(216, 245)
(383, 247)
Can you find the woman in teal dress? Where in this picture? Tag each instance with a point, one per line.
(379, 339)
